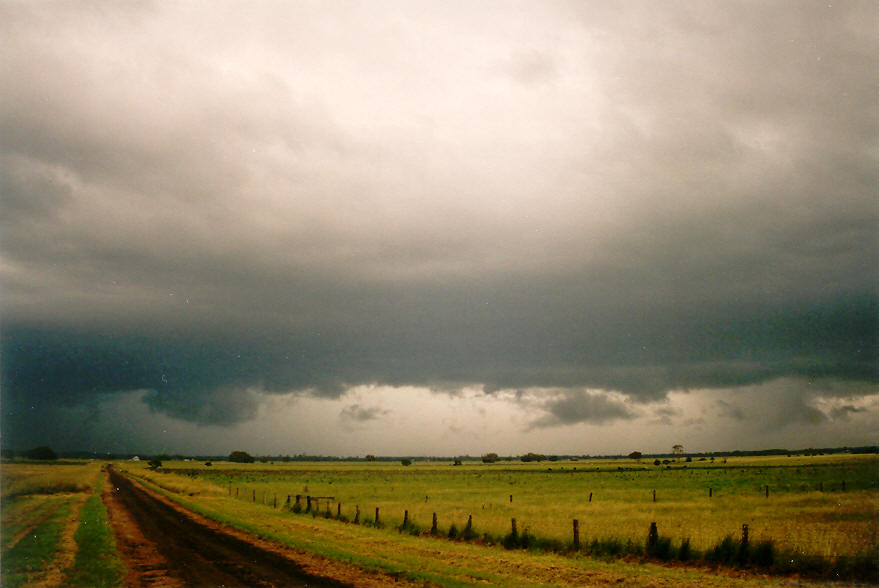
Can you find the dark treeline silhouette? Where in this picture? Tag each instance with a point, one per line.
(7, 453)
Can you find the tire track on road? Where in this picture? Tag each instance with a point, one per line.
(196, 555)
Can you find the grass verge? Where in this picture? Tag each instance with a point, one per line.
(24, 561)
(97, 562)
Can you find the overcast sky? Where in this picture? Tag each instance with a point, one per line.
(439, 227)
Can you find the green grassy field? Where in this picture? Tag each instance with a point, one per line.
(435, 561)
(54, 527)
(819, 508)
(821, 518)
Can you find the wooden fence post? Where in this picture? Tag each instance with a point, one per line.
(275, 501)
(513, 524)
(339, 510)
(357, 515)
(576, 534)
(590, 497)
(843, 485)
(654, 495)
(511, 499)
(253, 499)
(652, 536)
(287, 504)
(405, 518)
(469, 522)
(744, 536)
(308, 504)
(709, 492)
(376, 516)
(433, 526)
(767, 490)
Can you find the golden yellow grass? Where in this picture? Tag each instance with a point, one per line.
(35, 495)
(796, 516)
(17, 479)
(442, 562)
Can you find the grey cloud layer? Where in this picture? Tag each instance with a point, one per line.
(300, 198)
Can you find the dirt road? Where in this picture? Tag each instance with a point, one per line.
(170, 548)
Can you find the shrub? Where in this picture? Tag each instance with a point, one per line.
(763, 553)
(527, 540)
(724, 552)
(511, 541)
(468, 534)
(660, 549)
(861, 567)
(453, 531)
(406, 461)
(611, 547)
(685, 553)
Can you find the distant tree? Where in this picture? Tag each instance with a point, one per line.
(154, 463)
(370, 457)
(532, 457)
(458, 462)
(41, 452)
(406, 461)
(636, 455)
(209, 464)
(241, 457)
(490, 458)
(677, 449)
(657, 462)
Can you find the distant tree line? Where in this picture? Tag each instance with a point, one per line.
(46, 453)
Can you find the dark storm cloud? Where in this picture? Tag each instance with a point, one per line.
(358, 413)
(845, 411)
(581, 406)
(793, 403)
(296, 199)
